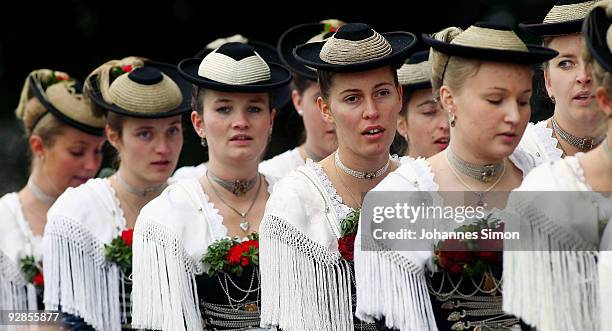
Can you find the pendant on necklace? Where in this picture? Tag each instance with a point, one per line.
(244, 224)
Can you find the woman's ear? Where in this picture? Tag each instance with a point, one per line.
(447, 100)
(198, 124)
(547, 84)
(402, 126)
(36, 145)
(325, 110)
(603, 100)
(297, 102)
(113, 137)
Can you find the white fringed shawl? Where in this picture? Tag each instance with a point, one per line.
(304, 283)
(392, 284)
(553, 283)
(172, 233)
(77, 277)
(16, 293)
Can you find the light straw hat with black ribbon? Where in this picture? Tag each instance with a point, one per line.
(564, 18)
(416, 73)
(356, 47)
(491, 42)
(62, 97)
(235, 67)
(598, 34)
(302, 34)
(137, 87)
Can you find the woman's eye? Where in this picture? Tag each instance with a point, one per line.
(173, 131)
(223, 110)
(254, 109)
(494, 101)
(144, 135)
(566, 64)
(77, 153)
(384, 92)
(351, 99)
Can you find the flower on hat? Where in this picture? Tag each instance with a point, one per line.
(120, 70)
(55, 77)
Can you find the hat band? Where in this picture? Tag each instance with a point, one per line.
(503, 40)
(224, 69)
(342, 51)
(571, 12)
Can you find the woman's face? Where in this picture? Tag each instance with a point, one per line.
(320, 133)
(425, 125)
(149, 148)
(491, 110)
(568, 79)
(237, 126)
(73, 158)
(364, 107)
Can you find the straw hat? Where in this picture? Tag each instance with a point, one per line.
(61, 96)
(302, 34)
(356, 47)
(565, 17)
(235, 67)
(146, 90)
(490, 42)
(416, 73)
(598, 35)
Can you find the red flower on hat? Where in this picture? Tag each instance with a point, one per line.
(38, 279)
(127, 68)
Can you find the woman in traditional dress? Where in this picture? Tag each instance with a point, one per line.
(65, 140)
(423, 124)
(88, 237)
(482, 78)
(195, 246)
(560, 277)
(576, 125)
(308, 229)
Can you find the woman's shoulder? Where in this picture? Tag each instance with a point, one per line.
(412, 174)
(89, 198)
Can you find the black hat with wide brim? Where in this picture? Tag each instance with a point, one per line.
(236, 68)
(564, 18)
(596, 30)
(491, 42)
(298, 35)
(366, 50)
(142, 83)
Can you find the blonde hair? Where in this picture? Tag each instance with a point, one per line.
(34, 116)
(451, 71)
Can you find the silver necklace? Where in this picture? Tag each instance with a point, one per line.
(137, 191)
(38, 193)
(238, 187)
(361, 174)
(584, 144)
(244, 223)
(483, 173)
(607, 148)
(481, 194)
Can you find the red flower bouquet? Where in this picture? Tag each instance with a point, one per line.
(33, 271)
(470, 257)
(231, 255)
(346, 244)
(120, 251)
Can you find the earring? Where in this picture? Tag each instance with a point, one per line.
(203, 142)
(552, 98)
(270, 137)
(452, 120)
(300, 112)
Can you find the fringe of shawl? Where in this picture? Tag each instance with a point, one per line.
(605, 289)
(77, 277)
(15, 292)
(164, 293)
(390, 286)
(304, 286)
(552, 282)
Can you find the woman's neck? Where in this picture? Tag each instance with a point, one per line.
(233, 170)
(586, 126)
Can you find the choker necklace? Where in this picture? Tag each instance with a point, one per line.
(244, 224)
(38, 193)
(483, 173)
(361, 174)
(481, 194)
(607, 148)
(584, 144)
(311, 155)
(137, 191)
(238, 187)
